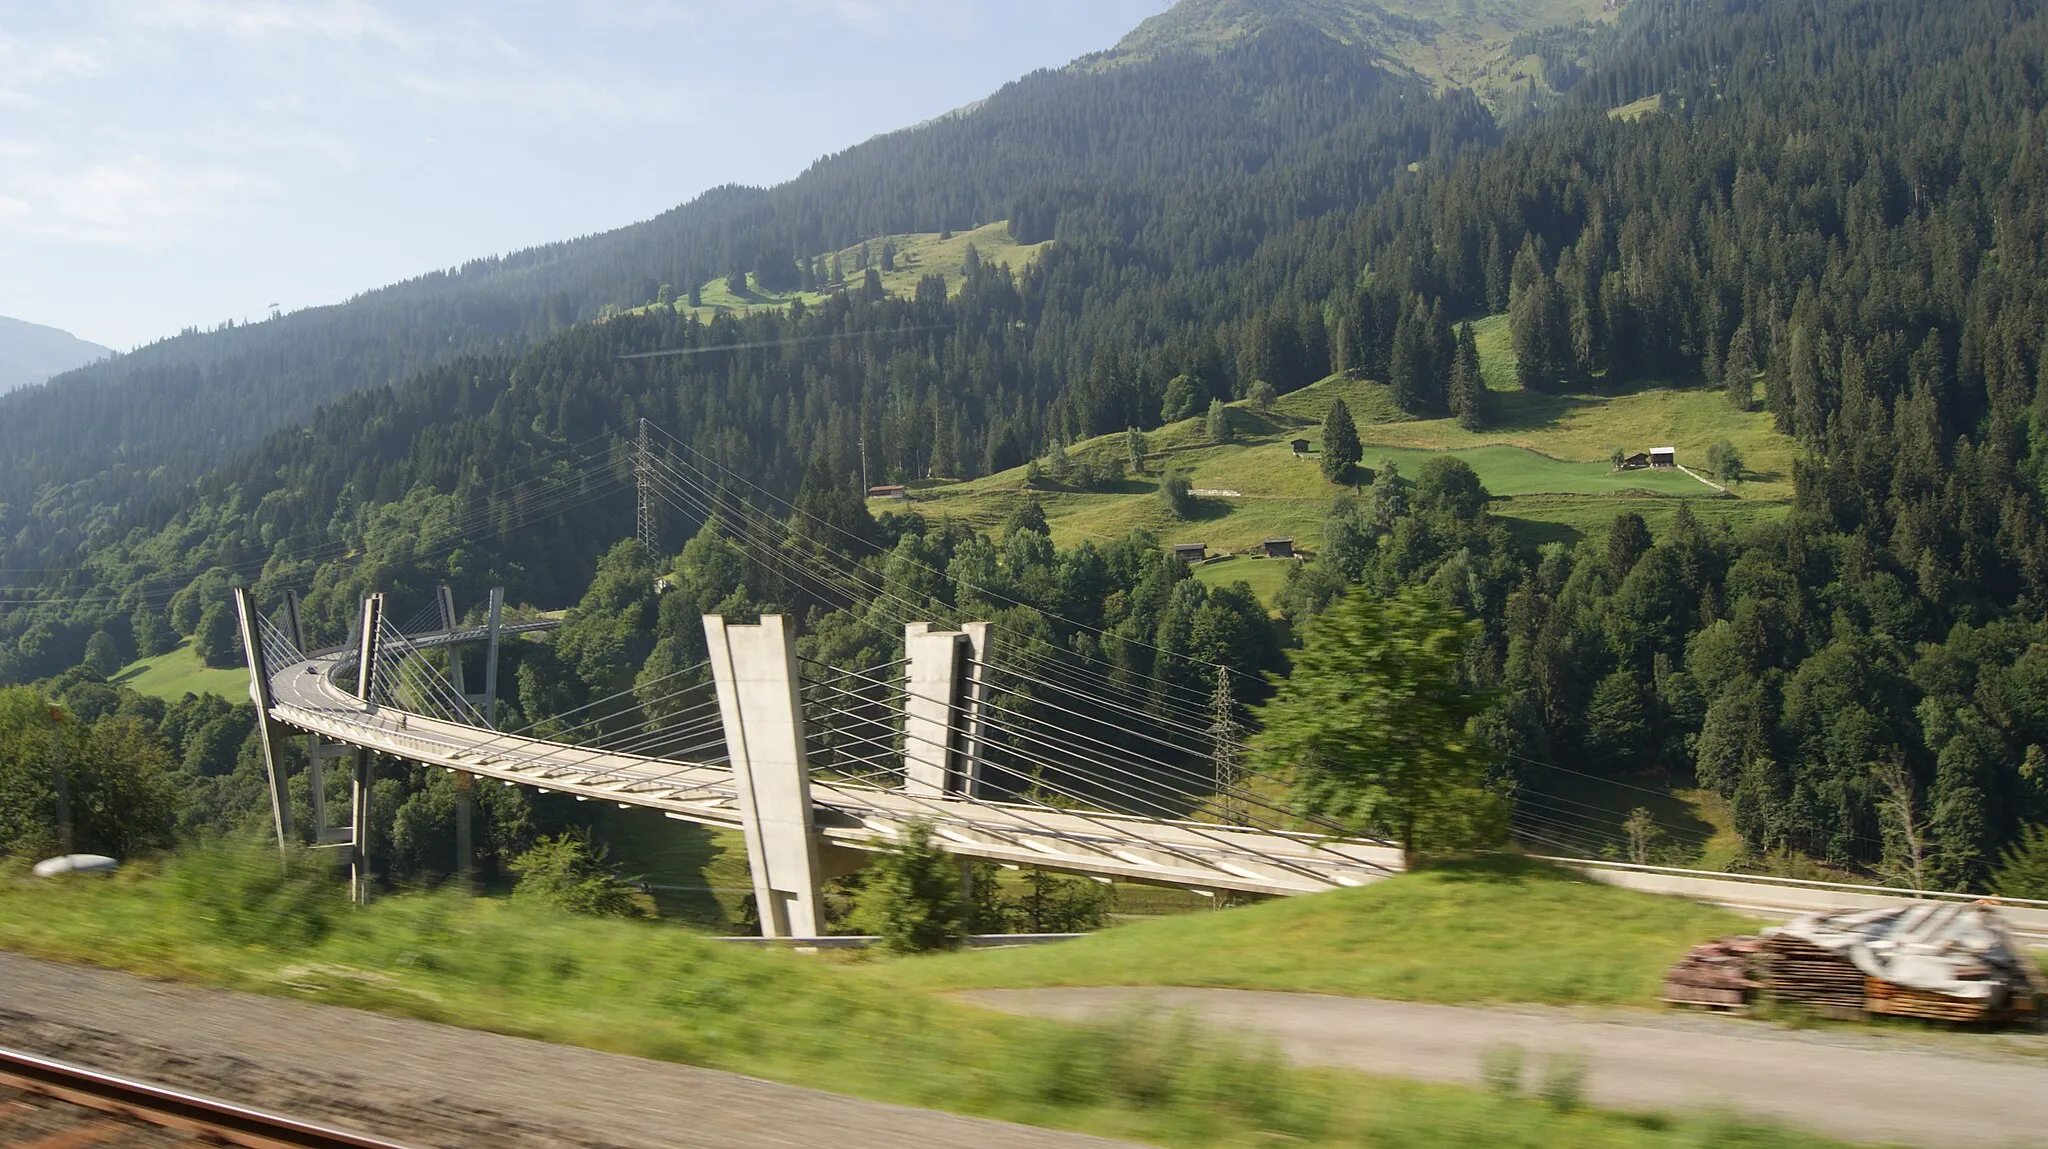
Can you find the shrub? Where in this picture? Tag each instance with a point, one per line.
(1052, 904)
(571, 874)
(910, 895)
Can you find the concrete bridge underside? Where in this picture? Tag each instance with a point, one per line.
(307, 696)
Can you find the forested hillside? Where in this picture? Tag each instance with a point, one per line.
(1832, 212)
(1075, 151)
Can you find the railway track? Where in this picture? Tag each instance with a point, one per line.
(47, 1104)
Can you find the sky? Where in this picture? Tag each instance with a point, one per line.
(167, 164)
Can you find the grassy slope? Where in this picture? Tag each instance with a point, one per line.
(1546, 458)
(657, 991)
(172, 676)
(1452, 43)
(1492, 931)
(917, 255)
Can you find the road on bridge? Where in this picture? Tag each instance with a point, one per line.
(1865, 1086)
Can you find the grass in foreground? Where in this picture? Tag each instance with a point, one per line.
(1494, 930)
(173, 675)
(229, 919)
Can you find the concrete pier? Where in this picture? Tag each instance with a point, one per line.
(754, 668)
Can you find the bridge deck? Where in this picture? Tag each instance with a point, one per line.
(859, 816)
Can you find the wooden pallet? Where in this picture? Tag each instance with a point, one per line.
(1704, 997)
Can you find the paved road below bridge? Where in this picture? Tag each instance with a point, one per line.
(434, 1085)
(1927, 1089)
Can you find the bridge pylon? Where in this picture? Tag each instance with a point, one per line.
(942, 710)
(359, 789)
(270, 734)
(755, 670)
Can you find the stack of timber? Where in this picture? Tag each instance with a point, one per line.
(1938, 961)
(1799, 972)
(1885, 997)
(1717, 975)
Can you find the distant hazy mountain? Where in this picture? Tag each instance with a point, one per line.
(31, 353)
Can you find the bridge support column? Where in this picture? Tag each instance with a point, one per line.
(359, 791)
(319, 751)
(270, 734)
(942, 724)
(465, 855)
(755, 671)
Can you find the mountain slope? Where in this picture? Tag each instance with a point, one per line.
(1076, 151)
(1486, 45)
(31, 353)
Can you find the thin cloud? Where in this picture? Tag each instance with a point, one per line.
(138, 201)
(250, 20)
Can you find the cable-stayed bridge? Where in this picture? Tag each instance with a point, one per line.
(383, 695)
(1012, 754)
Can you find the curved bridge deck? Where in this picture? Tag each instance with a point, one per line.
(1201, 855)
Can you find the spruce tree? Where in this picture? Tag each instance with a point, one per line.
(1341, 448)
(1738, 368)
(1408, 365)
(1442, 347)
(1468, 384)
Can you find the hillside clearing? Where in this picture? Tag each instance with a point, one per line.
(1547, 462)
(918, 254)
(175, 674)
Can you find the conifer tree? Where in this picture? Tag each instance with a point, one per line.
(1738, 367)
(1341, 448)
(1468, 385)
(1408, 365)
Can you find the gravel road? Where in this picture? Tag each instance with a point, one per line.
(1839, 1082)
(433, 1085)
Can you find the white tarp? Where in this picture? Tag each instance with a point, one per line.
(75, 864)
(1956, 948)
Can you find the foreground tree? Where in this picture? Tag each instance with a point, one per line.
(572, 874)
(2025, 870)
(1375, 726)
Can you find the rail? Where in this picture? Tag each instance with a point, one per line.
(207, 1119)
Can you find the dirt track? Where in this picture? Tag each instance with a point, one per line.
(430, 1084)
(1839, 1082)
